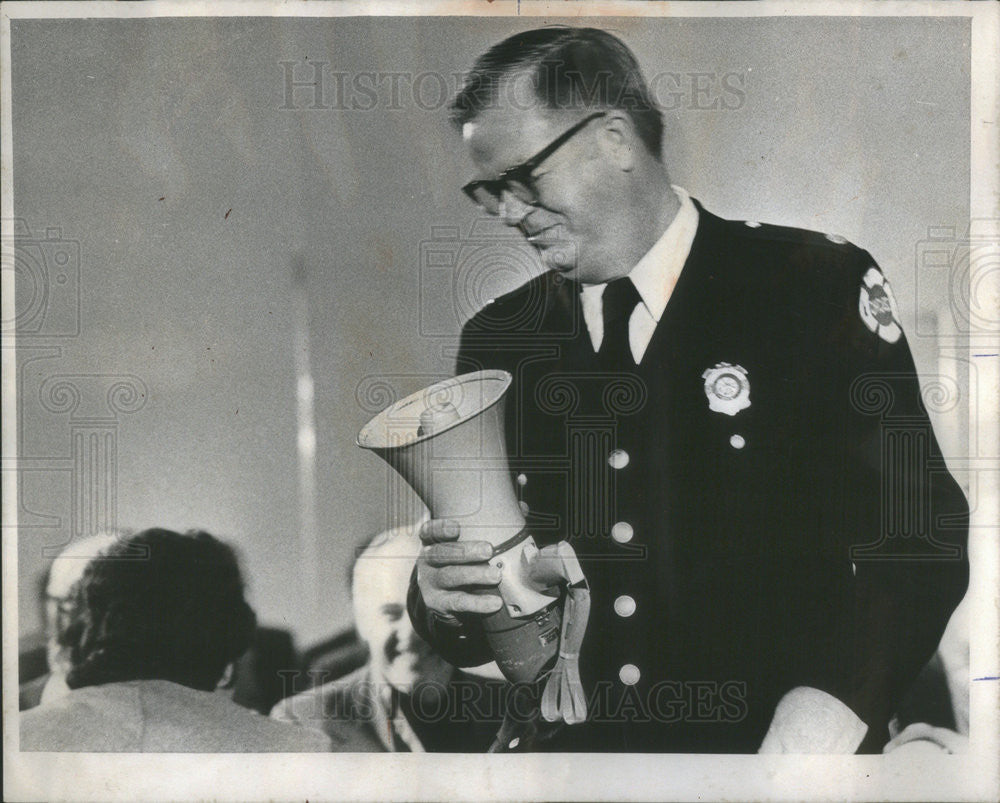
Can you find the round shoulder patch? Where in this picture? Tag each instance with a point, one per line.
(877, 306)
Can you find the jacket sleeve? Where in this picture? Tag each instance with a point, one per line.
(460, 642)
(905, 519)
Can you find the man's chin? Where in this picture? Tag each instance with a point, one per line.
(556, 254)
(583, 274)
(554, 261)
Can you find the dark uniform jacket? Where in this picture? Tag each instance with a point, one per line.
(813, 537)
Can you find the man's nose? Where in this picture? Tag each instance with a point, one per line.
(512, 209)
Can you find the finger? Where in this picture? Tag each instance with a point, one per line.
(446, 554)
(465, 576)
(461, 602)
(437, 530)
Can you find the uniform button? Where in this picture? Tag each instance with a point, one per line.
(629, 674)
(618, 459)
(753, 224)
(522, 480)
(622, 532)
(737, 441)
(624, 606)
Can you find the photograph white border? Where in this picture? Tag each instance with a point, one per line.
(48, 776)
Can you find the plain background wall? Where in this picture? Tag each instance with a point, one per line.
(853, 126)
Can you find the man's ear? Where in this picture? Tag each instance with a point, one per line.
(620, 140)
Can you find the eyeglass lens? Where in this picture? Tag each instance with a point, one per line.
(490, 195)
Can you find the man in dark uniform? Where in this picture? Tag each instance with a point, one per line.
(724, 420)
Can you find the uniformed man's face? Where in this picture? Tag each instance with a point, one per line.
(574, 221)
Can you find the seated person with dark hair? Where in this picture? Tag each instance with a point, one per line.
(157, 622)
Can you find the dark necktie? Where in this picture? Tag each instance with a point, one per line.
(617, 303)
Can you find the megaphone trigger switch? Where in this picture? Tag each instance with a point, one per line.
(529, 552)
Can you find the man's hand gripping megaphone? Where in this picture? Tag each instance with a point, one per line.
(458, 578)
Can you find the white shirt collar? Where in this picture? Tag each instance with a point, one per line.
(655, 275)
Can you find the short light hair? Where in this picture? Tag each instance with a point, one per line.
(382, 567)
(570, 68)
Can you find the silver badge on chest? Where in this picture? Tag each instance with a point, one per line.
(727, 388)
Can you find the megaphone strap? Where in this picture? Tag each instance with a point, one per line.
(563, 697)
(510, 543)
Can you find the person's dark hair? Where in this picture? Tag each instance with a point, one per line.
(176, 614)
(582, 68)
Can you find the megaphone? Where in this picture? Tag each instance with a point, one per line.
(447, 442)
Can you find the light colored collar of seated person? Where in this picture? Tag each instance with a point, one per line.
(654, 277)
(390, 720)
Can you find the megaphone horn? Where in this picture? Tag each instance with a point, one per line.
(447, 442)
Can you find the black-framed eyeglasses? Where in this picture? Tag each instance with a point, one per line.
(517, 180)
